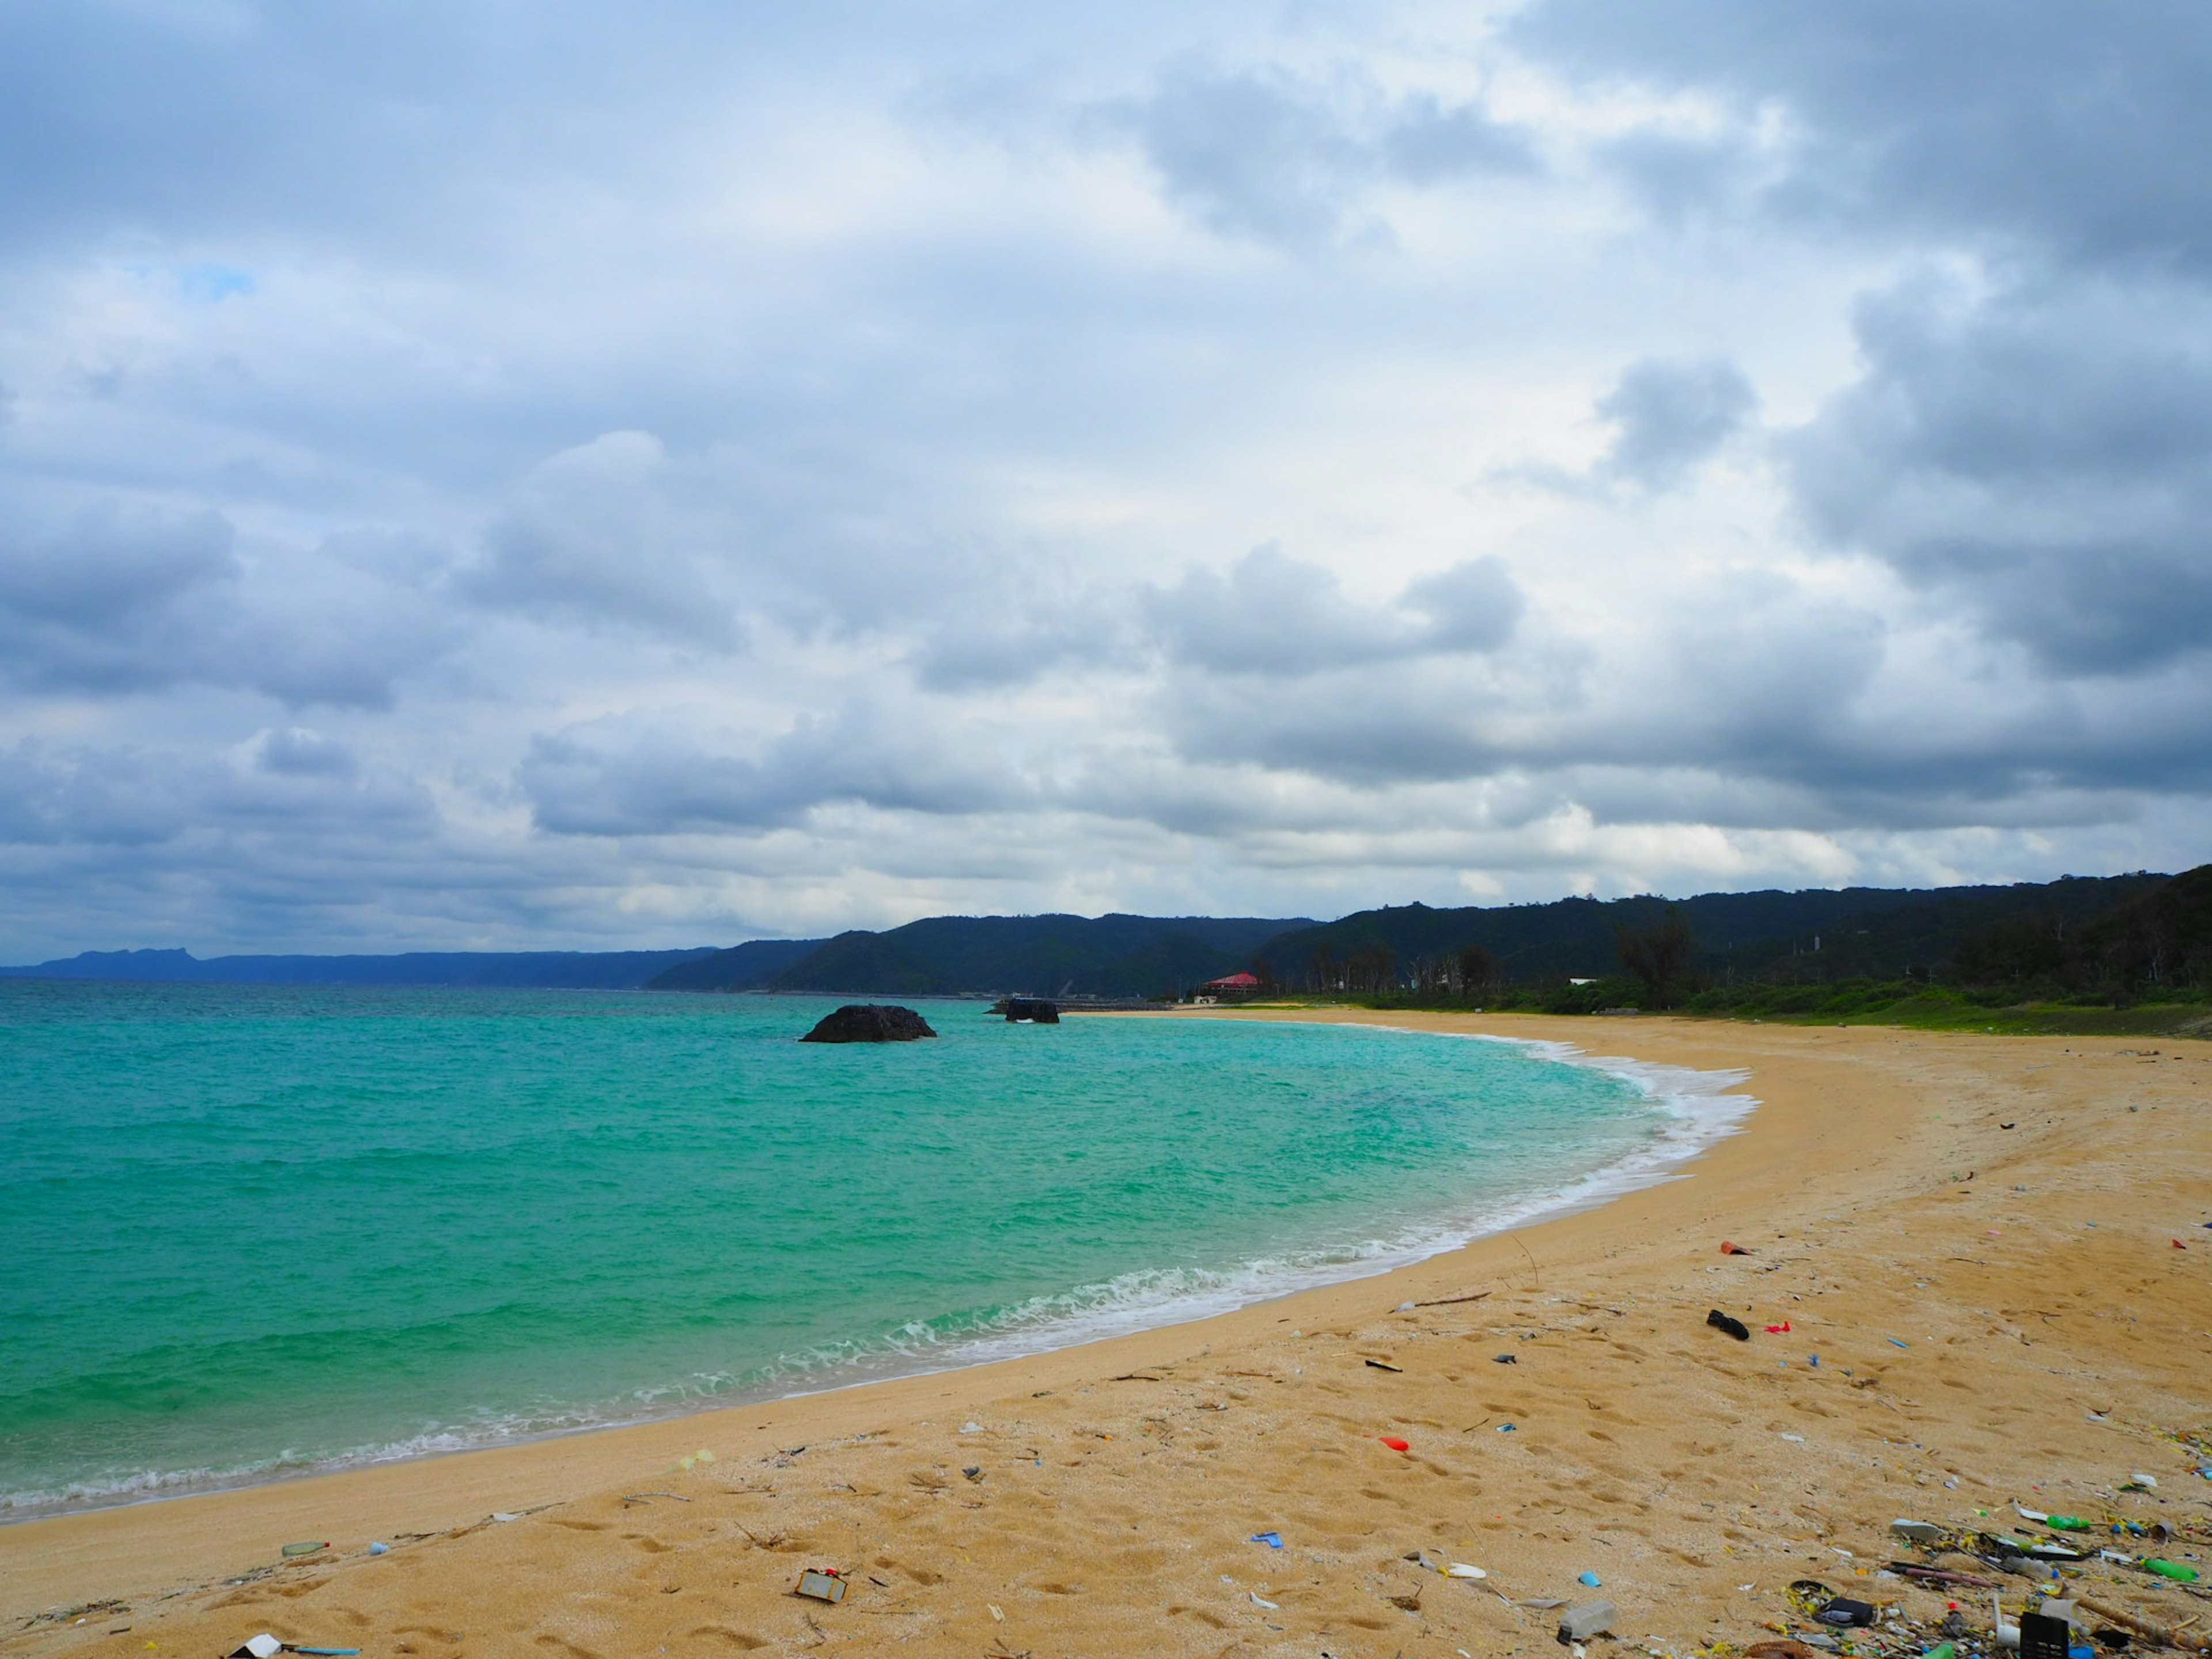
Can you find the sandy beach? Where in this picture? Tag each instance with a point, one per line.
(1976, 1235)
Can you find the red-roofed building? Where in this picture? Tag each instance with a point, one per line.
(1231, 988)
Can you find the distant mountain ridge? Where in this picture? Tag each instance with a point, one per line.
(576, 970)
(1113, 955)
(1822, 932)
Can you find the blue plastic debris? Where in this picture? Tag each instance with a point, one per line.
(1506, 1428)
(1816, 1362)
(1589, 1578)
(1274, 1540)
(1901, 1345)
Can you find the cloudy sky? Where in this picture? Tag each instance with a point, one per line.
(490, 473)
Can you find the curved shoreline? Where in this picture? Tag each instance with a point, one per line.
(1911, 1198)
(1379, 1257)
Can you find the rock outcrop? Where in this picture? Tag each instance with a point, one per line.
(870, 1021)
(1035, 1009)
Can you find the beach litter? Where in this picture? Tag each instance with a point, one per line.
(2135, 1624)
(265, 1646)
(821, 1584)
(1589, 1579)
(1461, 1570)
(1394, 1444)
(1782, 1649)
(1735, 1328)
(1505, 1359)
(1259, 1600)
(1384, 1366)
(293, 1551)
(2174, 1570)
(1274, 1540)
(1585, 1619)
(1917, 1532)
(1729, 1248)
(379, 1548)
(1845, 1611)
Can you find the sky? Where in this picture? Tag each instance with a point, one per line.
(499, 474)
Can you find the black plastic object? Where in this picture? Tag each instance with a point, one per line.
(1735, 1328)
(1844, 1611)
(2042, 1637)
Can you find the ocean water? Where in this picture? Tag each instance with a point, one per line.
(252, 1231)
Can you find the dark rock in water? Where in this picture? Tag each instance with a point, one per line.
(1036, 1010)
(870, 1021)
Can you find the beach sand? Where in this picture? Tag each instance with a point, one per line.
(2000, 1314)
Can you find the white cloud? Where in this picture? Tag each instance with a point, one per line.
(786, 470)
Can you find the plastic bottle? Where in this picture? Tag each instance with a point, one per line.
(2173, 1569)
(1585, 1619)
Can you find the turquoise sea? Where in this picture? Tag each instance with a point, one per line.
(249, 1231)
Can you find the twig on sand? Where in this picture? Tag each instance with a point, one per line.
(1452, 1301)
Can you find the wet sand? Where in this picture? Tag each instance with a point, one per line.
(1999, 1313)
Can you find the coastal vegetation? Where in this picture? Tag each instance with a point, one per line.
(2141, 966)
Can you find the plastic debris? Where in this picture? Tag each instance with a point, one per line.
(1844, 1611)
(294, 1551)
(379, 1548)
(1506, 1428)
(1384, 1366)
(2007, 1636)
(1274, 1540)
(1589, 1579)
(1258, 1601)
(2173, 1569)
(1461, 1570)
(2042, 1637)
(1729, 1248)
(1735, 1328)
(2143, 1627)
(263, 1646)
(821, 1584)
(1505, 1358)
(1917, 1532)
(1896, 1344)
(1783, 1330)
(1586, 1619)
(1394, 1444)
(1783, 1649)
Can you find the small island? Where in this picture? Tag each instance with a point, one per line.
(870, 1021)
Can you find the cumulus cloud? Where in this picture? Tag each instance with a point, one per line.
(655, 777)
(593, 539)
(1275, 615)
(2064, 125)
(1279, 159)
(2040, 458)
(776, 470)
(1670, 416)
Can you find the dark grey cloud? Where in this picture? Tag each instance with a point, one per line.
(659, 777)
(2042, 459)
(1280, 617)
(1669, 416)
(121, 598)
(110, 598)
(1270, 156)
(2065, 126)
